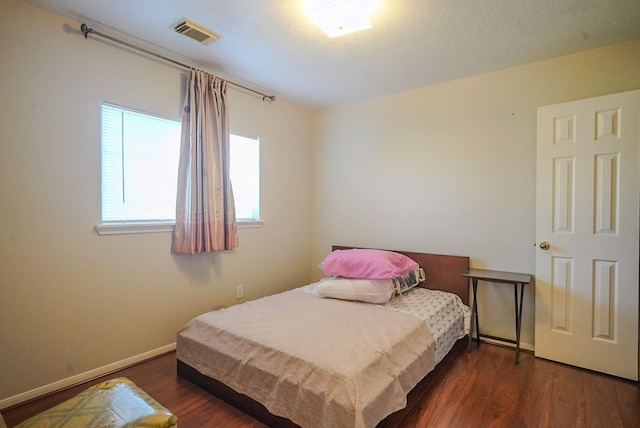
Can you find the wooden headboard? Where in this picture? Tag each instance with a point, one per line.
(442, 272)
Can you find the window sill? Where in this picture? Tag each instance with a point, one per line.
(248, 224)
(130, 228)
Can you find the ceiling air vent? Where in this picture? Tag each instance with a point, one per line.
(196, 32)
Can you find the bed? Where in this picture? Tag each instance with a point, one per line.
(297, 359)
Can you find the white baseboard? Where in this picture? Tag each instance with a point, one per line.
(84, 377)
(525, 346)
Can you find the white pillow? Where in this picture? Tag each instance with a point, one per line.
(362, 290)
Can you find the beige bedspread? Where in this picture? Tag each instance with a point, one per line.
(319, 362)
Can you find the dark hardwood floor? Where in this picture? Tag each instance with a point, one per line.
(483, 388)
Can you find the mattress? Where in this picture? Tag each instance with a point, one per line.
(321, 362)
(444, 314)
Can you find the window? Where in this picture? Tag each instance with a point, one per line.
(140, 154)
(245, 177)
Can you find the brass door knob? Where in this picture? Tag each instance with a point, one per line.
(544, 245)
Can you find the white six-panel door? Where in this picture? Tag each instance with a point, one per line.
(587, 209)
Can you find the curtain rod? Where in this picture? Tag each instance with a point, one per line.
(86, 31)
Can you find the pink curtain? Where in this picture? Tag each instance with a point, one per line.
(205, 210)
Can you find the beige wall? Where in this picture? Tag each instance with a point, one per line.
(72, 301)
(451, 168)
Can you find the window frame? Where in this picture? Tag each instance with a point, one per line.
(116, 227)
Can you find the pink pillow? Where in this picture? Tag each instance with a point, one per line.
(367, 264)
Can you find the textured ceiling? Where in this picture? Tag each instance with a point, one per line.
(273, 46)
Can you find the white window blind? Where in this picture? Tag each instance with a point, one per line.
(245, 177)
(140, 155)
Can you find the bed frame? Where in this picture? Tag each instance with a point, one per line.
(442, 272)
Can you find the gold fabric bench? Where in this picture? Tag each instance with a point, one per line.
(114, 403)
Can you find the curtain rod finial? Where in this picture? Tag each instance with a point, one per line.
(85, 30)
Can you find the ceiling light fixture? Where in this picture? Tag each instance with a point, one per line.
(340, 17)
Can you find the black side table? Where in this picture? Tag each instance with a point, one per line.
(514, 278)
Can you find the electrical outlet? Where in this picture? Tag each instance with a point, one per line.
(239, 291)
